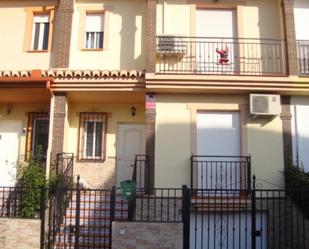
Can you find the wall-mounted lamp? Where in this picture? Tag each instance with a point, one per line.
(133, 110)
(9, 107)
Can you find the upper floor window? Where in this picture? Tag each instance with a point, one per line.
(94, 31)
(40, 33)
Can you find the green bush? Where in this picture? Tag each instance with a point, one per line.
(297, 181)
(33, 180)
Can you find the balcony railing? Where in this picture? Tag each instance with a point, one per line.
(303, 57)
(227, 56)
(221, 173)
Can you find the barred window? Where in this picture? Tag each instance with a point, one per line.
(37, 133)
(92, 134)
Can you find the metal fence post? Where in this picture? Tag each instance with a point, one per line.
(186, 199)
(77, 217)
(253, 214)
(42, 216)
(112, 214)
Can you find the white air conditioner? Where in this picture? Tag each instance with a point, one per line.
(171, 45)
(265, 104)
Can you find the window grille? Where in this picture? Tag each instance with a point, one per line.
(92, 135)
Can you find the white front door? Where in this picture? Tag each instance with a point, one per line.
(9, 150)
(218, 134)
(215, 30)
(130, 142)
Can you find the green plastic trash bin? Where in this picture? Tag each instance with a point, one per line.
(128, 189)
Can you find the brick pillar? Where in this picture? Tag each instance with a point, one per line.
(151, 36)
(289, 28)
(62, 34)
(59, 114)
(286, 118)
(150, 118)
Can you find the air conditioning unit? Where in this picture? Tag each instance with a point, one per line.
(171, 45)
(265, 104)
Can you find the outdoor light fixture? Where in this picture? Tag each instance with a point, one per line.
(133, 110)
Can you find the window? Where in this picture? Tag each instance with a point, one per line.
(92, 136)
(37, 133)
(94, 31)
(40, 32)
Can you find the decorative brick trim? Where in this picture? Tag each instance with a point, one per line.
(58, 124)
(62, 34)
(289, 28)
(151, 36)
(286, 118)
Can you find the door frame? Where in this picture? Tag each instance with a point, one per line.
(221, 6)
(117, 142)
(241, 106)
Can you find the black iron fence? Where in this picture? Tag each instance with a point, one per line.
(60, 197)
(10, 201)
(154, 205)
(140, 171)
(213, 218)
(303, 57)
(82, 219)
(221, 172)
(266, 219)
(233, 56)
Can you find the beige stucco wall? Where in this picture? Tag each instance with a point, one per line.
(262, 138)
(19, 233)
(101, 174)
(255, 18)
(140, 235)
(125, 33)
(13, 21)
(19, 112)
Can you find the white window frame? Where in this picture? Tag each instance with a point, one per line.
(94, 139)
(95, 30)
(40, 19)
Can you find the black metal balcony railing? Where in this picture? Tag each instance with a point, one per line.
(232, 56)
(221, 173)
(303, 57)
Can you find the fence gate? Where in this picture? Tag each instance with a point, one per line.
(82, 218)
(260, 219)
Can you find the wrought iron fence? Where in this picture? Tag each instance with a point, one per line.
(232, 56)
(64, 169)
(140, 171)
(60, 197)
(266, 219)
(81, 219)
(303, 57)
(154, 205)
(10, 201)
(221, 172)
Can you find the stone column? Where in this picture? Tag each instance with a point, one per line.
(150, 118)
(289, 28)
(59, 115)
(62, 34)
(286, 118)
(151, 36)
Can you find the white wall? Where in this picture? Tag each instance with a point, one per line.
(300, 131)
